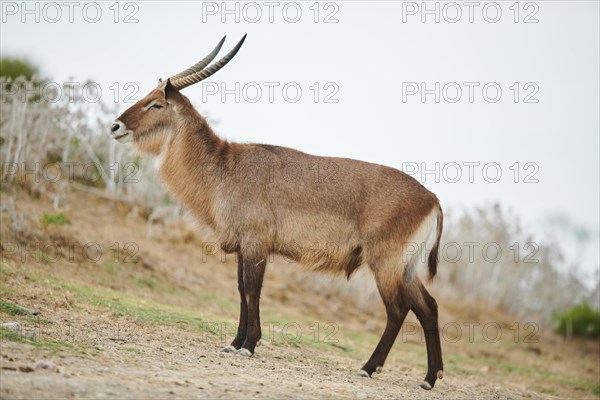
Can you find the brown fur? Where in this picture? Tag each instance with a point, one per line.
(329, 214)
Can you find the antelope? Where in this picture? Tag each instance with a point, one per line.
(328, 214)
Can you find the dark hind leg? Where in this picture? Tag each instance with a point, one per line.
(243, 323)
(394, 322)
(425, 308)
(388, 284)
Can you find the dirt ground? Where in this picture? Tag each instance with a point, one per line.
(148, 321)
(172, 366)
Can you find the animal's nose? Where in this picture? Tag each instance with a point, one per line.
(120, 132)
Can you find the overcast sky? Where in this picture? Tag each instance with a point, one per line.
(518, 86)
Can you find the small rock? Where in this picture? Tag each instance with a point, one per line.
(25, 368)
(15, 326)
(31, 311)
(47, 365)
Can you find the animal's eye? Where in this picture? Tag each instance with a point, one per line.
(156, 105)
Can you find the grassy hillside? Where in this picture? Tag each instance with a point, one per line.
(125, 310)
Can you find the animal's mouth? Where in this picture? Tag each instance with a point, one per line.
(124, 138)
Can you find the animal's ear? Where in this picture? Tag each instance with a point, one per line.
(171, 94)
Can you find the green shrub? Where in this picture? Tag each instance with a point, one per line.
(14, 67)
(54, 219)
(580, 320)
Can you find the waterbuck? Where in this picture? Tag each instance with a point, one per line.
(328, 214)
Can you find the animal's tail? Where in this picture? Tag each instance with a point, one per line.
(433, 255)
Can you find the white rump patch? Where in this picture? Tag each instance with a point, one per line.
(416, 250)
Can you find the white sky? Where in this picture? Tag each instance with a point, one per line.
(369, 54)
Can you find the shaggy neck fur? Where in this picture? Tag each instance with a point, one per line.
(192, 162)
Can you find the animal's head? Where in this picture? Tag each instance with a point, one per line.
(151, 120)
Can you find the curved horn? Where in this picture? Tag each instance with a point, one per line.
(200, 65)
(180, 82)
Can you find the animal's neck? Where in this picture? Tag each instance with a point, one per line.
(190, 166)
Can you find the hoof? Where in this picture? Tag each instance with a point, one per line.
(363, 374)
(440, 374)
(378, 370)
(228, 349)
(425, 385)
(243, 352)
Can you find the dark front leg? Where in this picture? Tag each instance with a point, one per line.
(254, 271)
(243, 323)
